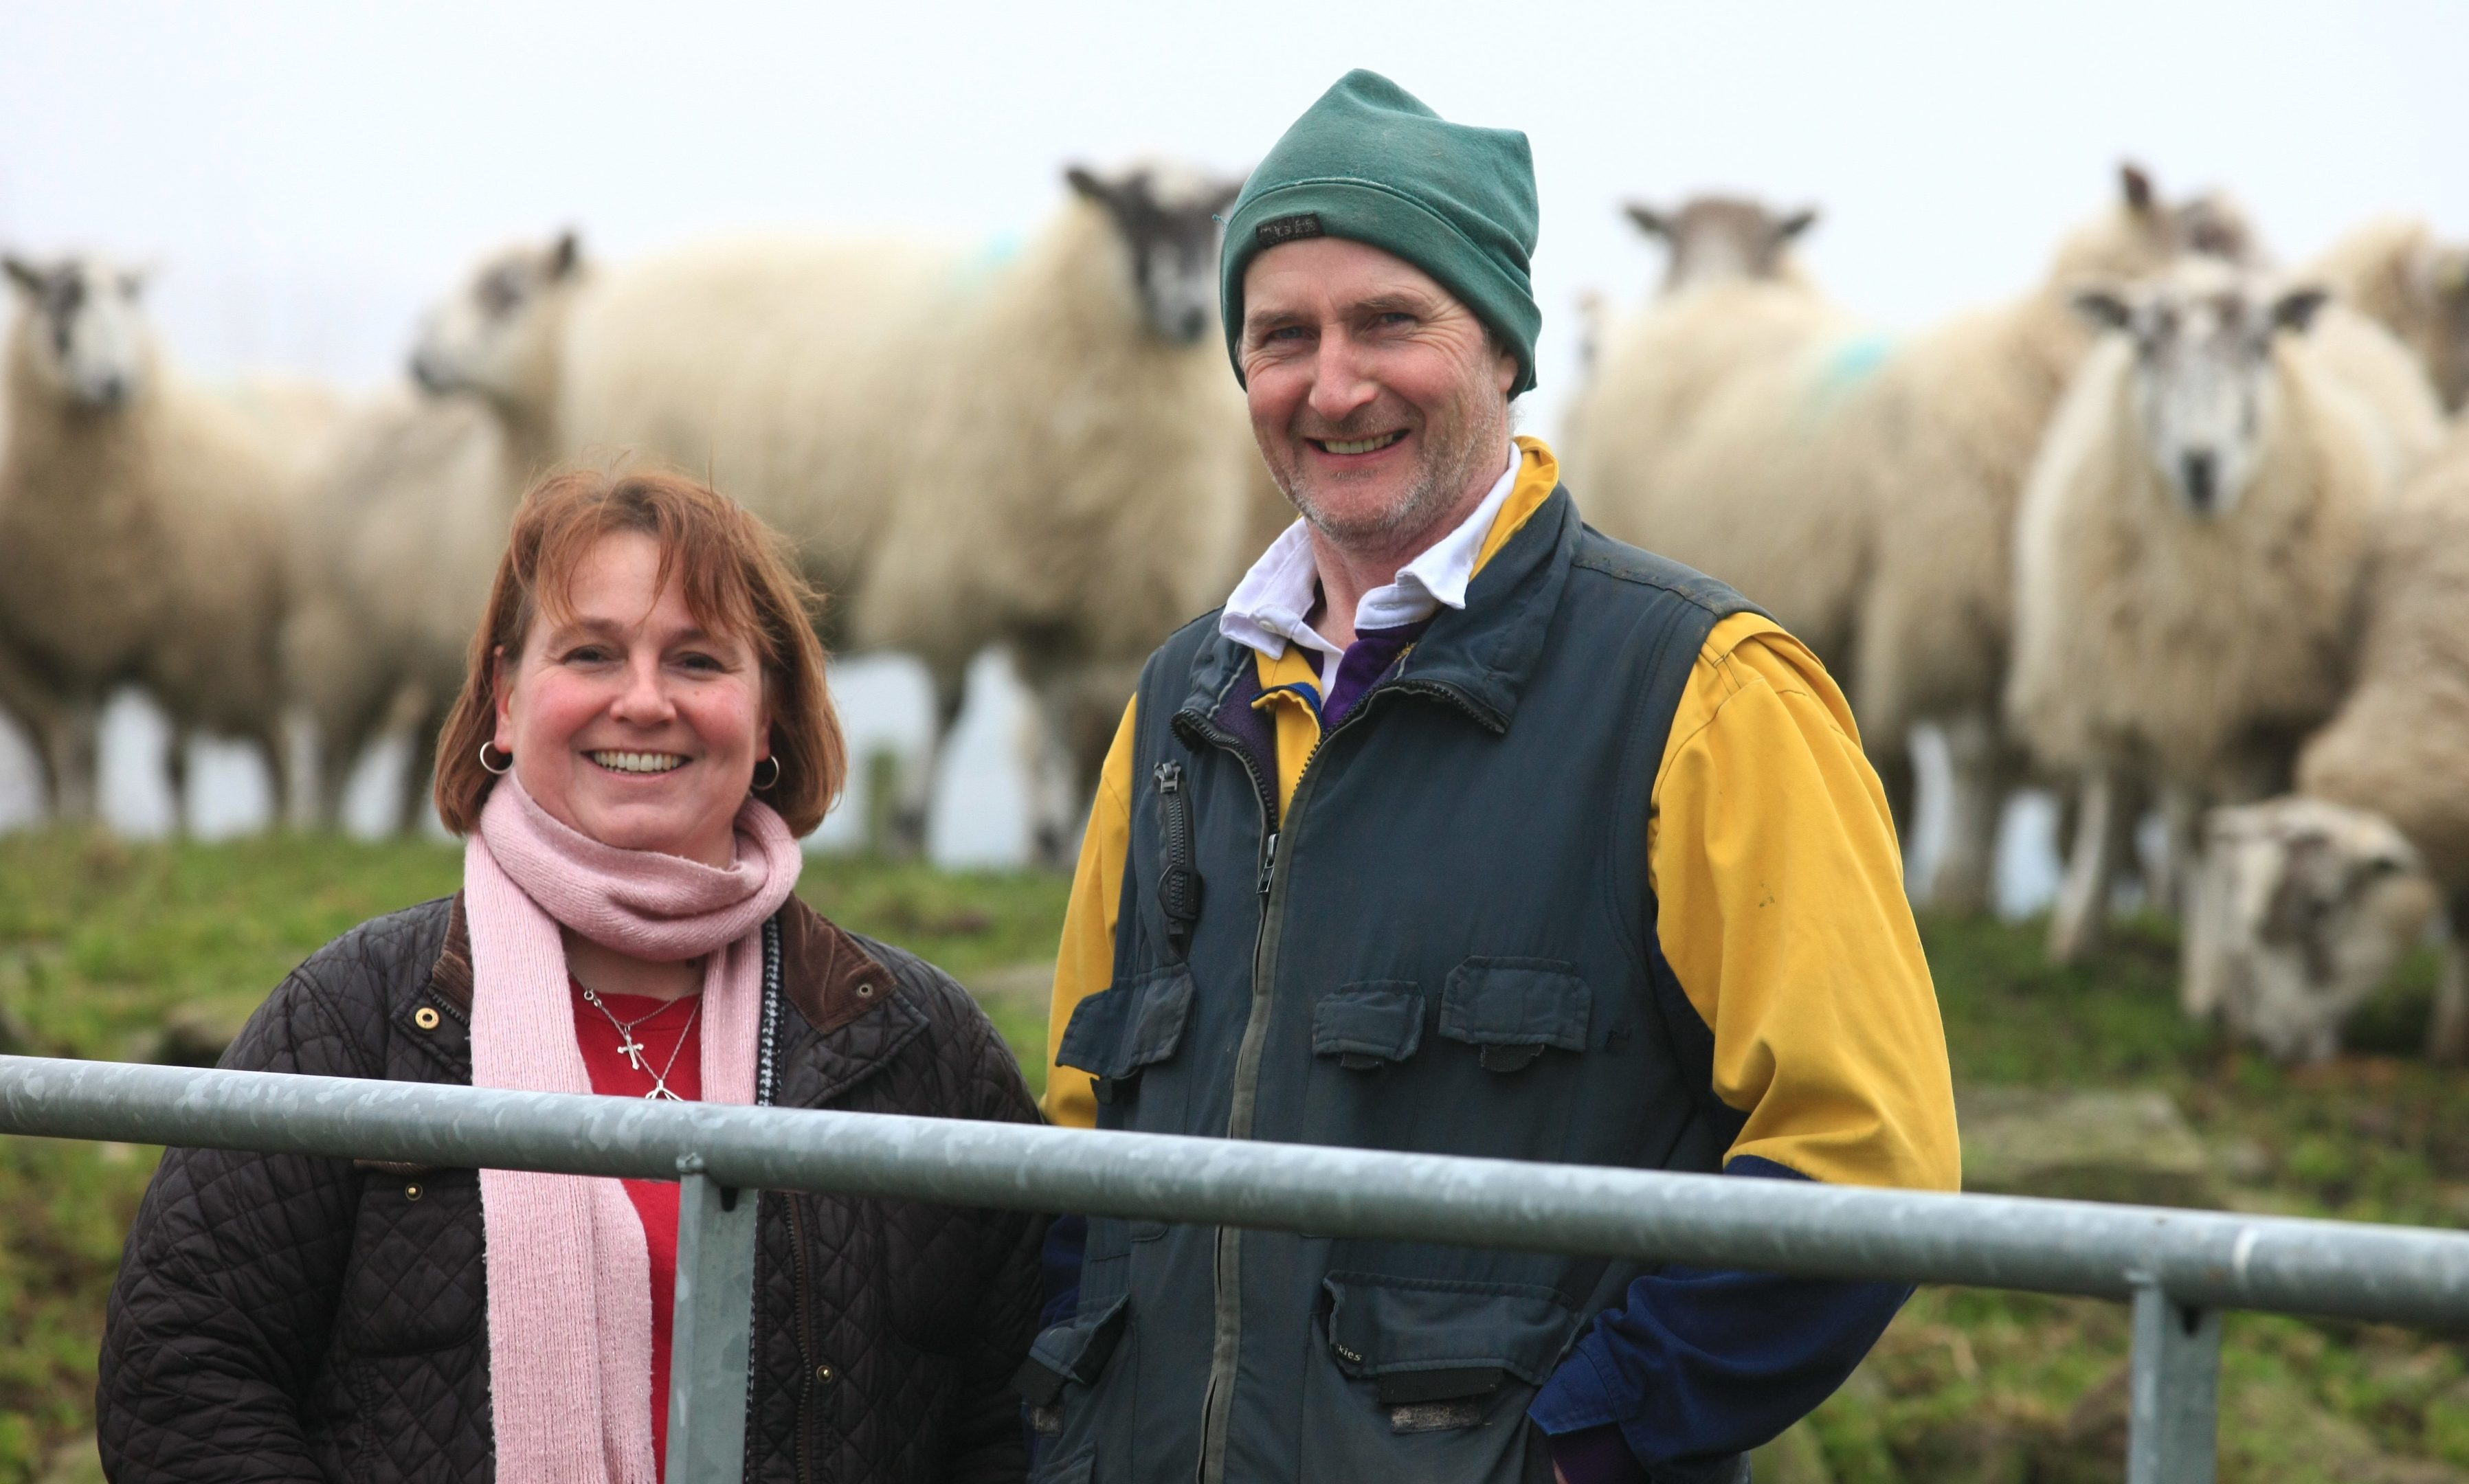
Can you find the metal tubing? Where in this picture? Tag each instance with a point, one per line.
(2174, 1421)
(2404, 1275)
(710, 1344)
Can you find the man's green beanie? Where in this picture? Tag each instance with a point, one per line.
(1371, 163)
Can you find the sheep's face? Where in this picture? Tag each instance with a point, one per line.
(1716, 238)
(498, 334)
(83, 328)
(1168, 220)
(2205, 383)
(2313, 903)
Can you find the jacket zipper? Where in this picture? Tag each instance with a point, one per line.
(1178, 883)
(1219, 1400)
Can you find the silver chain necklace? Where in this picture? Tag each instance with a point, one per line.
(632, 1050)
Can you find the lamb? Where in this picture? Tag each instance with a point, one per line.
(1934, 449)
(141, 520)
(2393, 271)
(2320, 902)
(2188, 548)
(402, 535)
(1044, 449)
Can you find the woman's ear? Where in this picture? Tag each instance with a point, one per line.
(504, 740)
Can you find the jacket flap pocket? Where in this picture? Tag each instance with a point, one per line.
(1420, 1338)
(1365, 1024)
(1117, 1032)
(1515, 1006)
(1075, 1349)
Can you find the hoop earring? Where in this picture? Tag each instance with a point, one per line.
(776, 773)
(500, 772)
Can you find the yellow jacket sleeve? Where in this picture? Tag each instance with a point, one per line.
(1781, 907)
(1085, 965)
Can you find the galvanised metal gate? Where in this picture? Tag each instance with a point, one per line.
(2178, 1268)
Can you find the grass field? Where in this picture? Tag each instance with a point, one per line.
(105, 945)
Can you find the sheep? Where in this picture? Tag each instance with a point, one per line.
(398, 544)
(1703, 431)
(2389, 758)
(1860, 490)
(1933, 450)
(1090, 479)
(1041, 449)
(2187, 551)
(2393, 271)
(141, 520)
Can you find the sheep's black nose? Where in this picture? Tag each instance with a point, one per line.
(1194, 321)
(110, 391)
(2203, 480)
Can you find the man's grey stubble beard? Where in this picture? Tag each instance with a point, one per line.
(1443, 477)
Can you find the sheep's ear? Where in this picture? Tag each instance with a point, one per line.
(2105, 306)
(1085, 181)
(2134, 187)
(1795, 224)
(28, 277)
(2296, 309)
(567, 254)
(2450, 272)
(1652, 222)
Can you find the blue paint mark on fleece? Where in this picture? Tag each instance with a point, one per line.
(1855, 360)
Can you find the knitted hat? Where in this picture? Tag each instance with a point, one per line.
(1371, 163)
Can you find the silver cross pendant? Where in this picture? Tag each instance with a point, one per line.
(633, 1051)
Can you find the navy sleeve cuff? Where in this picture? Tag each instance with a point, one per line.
(1597, 1455)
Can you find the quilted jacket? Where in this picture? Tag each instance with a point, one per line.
(281, 1317)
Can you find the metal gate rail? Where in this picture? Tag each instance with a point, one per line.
(2178, 1267)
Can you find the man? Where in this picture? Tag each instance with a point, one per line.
(1463, 830)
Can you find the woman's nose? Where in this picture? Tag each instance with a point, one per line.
(643, 698)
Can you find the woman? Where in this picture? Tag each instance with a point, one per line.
(643, 735)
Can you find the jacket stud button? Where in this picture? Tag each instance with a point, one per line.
(411, 1193)
(426, 1018)
(823, 1374)
(865, 992)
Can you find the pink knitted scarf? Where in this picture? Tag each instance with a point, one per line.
(570, 1278)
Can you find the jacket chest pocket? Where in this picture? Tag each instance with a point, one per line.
(1496, 1076)
(1126, 1038)
(416, 1281)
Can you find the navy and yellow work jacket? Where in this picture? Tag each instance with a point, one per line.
(1596, 873)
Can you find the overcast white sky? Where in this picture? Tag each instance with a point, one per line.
(308, 174)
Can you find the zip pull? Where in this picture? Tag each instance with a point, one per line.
(1178, 881)
(1268, 861)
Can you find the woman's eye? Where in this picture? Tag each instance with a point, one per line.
(700, 662)
(587, 654)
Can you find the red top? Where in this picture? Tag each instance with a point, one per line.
(660, 1033)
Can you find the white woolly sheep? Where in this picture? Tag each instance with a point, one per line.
(396, 547)
(2392, 754)
(142, 526)
(1044, 450)
(2392, 270)
(1704, 432)
(1933, 450)
(2188, 548)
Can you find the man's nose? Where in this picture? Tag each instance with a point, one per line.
(1341, 383)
